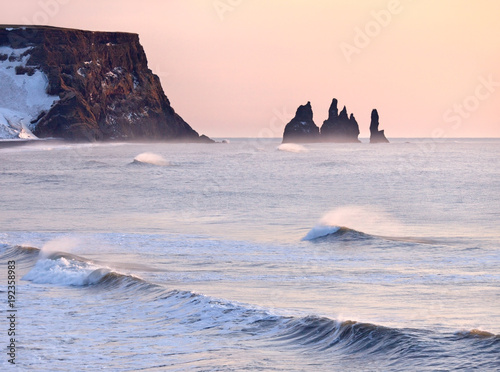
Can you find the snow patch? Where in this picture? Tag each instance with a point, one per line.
(22, 98)
(136, 82)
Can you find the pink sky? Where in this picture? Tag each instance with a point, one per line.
(240, 68)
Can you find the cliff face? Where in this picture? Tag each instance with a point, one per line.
(376, 136)
(98, 83)
(302, 127)
(339, 127)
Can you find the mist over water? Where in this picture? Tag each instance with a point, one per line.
(345, 257)
(292, 147)
(59, 244)
(363, 219)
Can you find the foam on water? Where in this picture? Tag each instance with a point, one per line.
(292, 147)
(56, 265)
(199, 321)
(62, 271)
(151, 158)
(222, 318)
(65, 269)
(319, 231)
(165, 228)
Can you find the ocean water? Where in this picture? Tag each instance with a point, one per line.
(251, 256)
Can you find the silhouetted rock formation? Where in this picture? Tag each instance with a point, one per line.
(103, 87)
(339, 128)
(302, 127)
(376, 136)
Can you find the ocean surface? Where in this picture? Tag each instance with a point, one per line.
(251, 256)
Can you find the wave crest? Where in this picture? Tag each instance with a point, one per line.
(321, 232)
(62, 268)
(349, 336)
(477, 334)
(151, 158)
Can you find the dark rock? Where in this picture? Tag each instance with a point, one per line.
(105, 87)
(339, 127)
(20, 70)
(205, 139)
(376, 136)
(302, 127)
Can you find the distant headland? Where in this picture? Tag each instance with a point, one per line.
(339, 128)
(83, 86)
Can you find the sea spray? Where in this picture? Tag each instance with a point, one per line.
(151, 158)
(292, 147)
(367, 219)
(60, 244)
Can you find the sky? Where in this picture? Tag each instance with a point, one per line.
(240, 68)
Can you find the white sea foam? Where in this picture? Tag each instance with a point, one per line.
(319, 231)
(292, 147)
(63, 271)
(151, 158)
(188, 241)
(56, 264)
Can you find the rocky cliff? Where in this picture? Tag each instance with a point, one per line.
(339, 127)
(302, 127)
(376, 136)
(82, 85)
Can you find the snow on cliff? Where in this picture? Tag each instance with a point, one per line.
(23, 94)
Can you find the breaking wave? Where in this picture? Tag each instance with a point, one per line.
(321, 232)
(152, 159)
(361, 223)
(66, 269)
(478, 334)
(398, 348)
(350, 336)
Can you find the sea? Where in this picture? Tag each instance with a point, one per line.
(250, 255)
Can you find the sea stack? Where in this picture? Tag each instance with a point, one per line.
(376, 136)
(302, 127)
(82, 86)
(339, 127)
